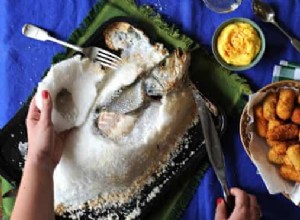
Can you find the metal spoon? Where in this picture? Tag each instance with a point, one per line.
(266, 13)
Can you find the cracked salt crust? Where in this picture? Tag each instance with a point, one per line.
(96, 172)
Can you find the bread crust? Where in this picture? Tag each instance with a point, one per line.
(118, 27)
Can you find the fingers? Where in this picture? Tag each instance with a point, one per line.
(33, 112)
(34, 115)
(221, 212)
(253, 201)
(254, 207)
(241, 198)
(245, 204)
(47, 107)
(246, 207)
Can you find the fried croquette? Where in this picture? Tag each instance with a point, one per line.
(272, 144)
(275, 157)
(280, 148)
(261, 124)
(289, 173)
(283, 132)
(285, 103)
(286, 161)
(293, 153)
(273, 123)
(269, 106)
(286, 143)
(296, 115)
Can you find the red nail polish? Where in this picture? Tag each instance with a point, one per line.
(45, 94)
(219, 200)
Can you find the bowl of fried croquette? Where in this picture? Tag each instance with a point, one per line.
(238, 44)
(271, 120)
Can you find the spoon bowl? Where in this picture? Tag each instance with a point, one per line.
(264, 11)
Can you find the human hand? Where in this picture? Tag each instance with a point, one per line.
(45, 146)
(246, 207)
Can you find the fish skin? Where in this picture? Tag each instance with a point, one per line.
(168, 75)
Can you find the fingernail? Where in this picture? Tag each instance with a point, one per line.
(45, 94)
(219, 200)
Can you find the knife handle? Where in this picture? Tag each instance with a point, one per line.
(230, 203)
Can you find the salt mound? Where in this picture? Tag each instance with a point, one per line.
(72, 85)
(93, 165)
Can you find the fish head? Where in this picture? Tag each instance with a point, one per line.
(169, 75)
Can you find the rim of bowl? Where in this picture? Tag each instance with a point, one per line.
(220, 8)
(220, 59)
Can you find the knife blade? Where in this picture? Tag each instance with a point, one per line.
(213, 148)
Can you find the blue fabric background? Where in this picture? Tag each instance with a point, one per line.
(23, 61)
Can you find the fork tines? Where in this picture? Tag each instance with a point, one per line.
(107, 59)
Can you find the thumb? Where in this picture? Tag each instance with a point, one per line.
(47, 107)
(221, 212)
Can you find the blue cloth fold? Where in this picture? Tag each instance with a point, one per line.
(23, 62)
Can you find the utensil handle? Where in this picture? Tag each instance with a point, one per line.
(229, 199)
(296, 43)
(34, 32)
(37, 33)
(63, 43)
(293, 40)
(230, 203)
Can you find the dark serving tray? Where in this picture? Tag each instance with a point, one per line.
(186, 161)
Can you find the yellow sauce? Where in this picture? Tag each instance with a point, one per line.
(238, 44)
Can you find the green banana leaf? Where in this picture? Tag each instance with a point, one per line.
(7, 203)
(1, 205)
(219, 84)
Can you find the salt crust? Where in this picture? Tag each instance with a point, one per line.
(94, 168)
(79, 77)
(100, 165)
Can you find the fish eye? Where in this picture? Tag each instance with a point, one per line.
(97, 110)
(156, 97)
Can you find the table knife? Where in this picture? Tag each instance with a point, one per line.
(213, 148)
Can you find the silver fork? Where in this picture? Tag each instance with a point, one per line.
(105, 57)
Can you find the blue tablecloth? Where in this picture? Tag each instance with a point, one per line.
(23, 61)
